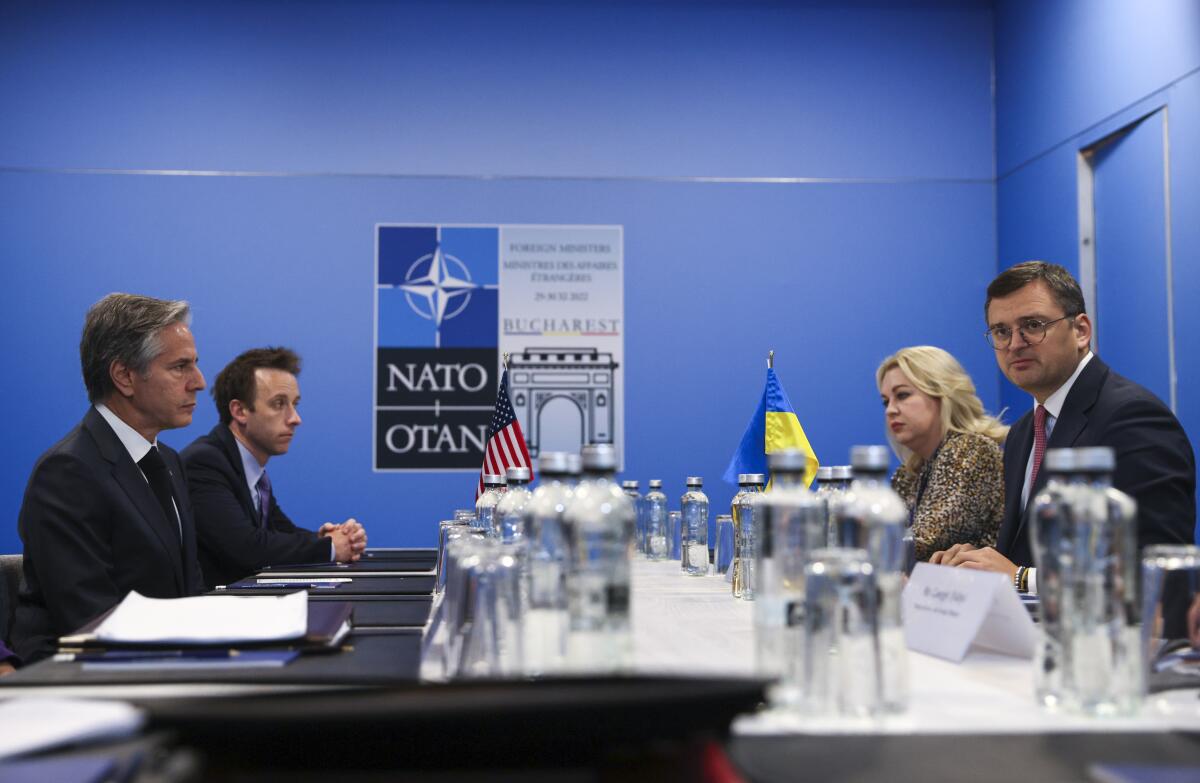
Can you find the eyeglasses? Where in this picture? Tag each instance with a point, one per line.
(1033, 332)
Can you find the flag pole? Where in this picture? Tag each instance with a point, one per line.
(770, 359)
(504, 360)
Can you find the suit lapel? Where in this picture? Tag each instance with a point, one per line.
(129, 477)
(179, 487)
(229, 446)
(1071, 422)
(1078, 405)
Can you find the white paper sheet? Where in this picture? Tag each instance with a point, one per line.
(37, 724)
(206, 619)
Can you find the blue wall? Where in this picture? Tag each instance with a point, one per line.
(354, 113)
(1067, 74)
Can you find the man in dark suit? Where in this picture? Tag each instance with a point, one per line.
(239, 523)
(106, 510)
(1042, 336)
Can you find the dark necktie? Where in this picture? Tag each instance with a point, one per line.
(263, 488)
(159, 476)
(1039, 445)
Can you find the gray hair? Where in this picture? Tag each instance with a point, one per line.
(124, 328)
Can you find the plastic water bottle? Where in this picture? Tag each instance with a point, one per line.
(694, 508)
(750, 487)
(546, 588)
(771, 598)
(509, 519)
(833, 481)
(658, 544)
(630, 488)
(574, 469)
(1083, 533)
(873, 517)
(600, 528)
(485, 507)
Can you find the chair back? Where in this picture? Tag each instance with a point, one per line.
(10, 585)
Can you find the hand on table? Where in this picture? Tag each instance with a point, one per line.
(967, 556)
(944, 556)
(349, 539)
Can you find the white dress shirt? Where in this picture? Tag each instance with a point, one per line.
(137, 446)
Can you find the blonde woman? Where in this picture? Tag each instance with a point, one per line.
(952, 473)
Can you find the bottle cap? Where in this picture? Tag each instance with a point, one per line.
(695, 481)
(787, 461)
(493, 480)
(629, 484)
(751, 479)
(872, 459)
(517, 475)
(553, 462)
(655, 483)
(574, 464)
(1096, 459)
(824, 473)
(599, 456)
(841, 472)
(1059, 461)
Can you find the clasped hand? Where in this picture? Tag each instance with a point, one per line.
(349, 539)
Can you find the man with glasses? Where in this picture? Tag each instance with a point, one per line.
(1041, 334)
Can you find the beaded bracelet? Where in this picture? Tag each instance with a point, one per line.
(1019, 579)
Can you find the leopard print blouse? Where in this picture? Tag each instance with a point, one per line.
(964, 495)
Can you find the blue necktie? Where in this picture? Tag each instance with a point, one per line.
(263, 487)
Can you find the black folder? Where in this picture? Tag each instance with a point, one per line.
(401, 555)
(328, 622)
(368, 659)
(416, 584)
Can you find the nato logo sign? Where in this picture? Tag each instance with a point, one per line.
(450, 299)
(436, 310)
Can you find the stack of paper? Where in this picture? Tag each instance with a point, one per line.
(206, 620)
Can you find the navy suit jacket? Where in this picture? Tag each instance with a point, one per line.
(233, 544)
(1155, 462)
(93, 530)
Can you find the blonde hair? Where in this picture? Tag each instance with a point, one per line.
(938, 374)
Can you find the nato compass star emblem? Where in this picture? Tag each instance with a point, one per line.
(438, 287)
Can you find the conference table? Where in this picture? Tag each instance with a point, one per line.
(693, 652)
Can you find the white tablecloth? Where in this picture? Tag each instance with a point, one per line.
(693, 626)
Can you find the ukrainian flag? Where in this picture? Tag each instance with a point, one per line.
(774, 427)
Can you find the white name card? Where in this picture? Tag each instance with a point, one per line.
(947, 610)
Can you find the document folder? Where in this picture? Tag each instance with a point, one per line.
(328, 624)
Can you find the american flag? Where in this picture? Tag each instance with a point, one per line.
(505, 447)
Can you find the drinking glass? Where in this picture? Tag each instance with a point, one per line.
(1171, 628)
(723, 556)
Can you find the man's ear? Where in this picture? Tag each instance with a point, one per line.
(1083, 330)
(121, 377)
(239, 411)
